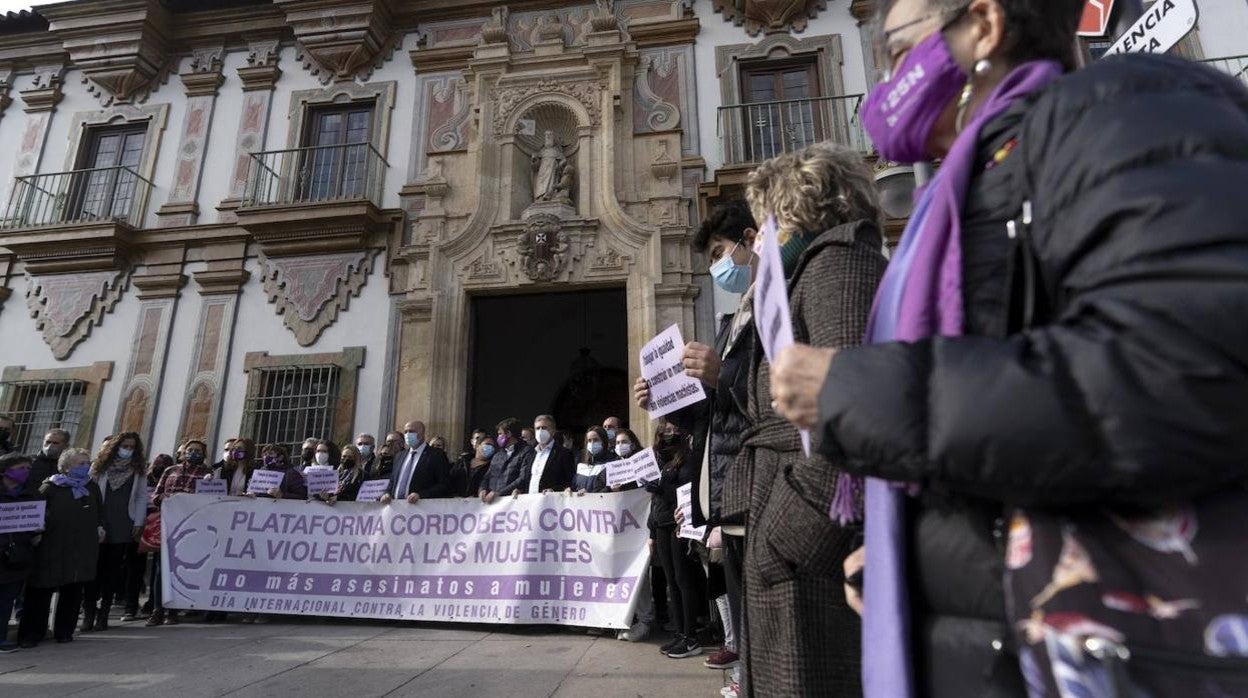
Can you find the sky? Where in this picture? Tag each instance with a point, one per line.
(14, 5)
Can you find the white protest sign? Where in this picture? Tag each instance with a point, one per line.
(684, 502)
(1163, 24)
(321, 479)
(542, 558)
(264, 480)
(371, 490)
(661, 366)
(641, 467)
(16, 517)
(210, 487)
(771, 303)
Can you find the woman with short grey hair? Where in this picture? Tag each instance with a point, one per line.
(800, 635)
(67, 552)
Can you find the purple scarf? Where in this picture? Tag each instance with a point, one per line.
(920, 296)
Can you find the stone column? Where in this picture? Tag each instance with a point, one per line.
(158, 291)
(258, 78)
(41, 100)
(202, 83)
(219, 287)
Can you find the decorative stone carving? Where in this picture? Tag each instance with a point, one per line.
(67, 306)
(589, 94)
(550, 28)
(603, 18)
(345, 41)
(543, 251)
(45, 92)
(664, 167)
(495, 30)
(309, 291)
(450, 107)
(767, 16)
(121, 47)
(261, 71)
(553, 173)
(657, 113)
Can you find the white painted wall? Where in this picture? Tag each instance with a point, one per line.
(1223, 27)
(218, 169)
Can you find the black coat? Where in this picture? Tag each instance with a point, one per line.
(721, 418)
(663, 501)
(1128, 385)
(16, 562)
(69, 548)
(431, 478)
(41, 468)
(557, 475)
(465, 479)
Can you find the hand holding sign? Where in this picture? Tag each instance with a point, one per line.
(684, 505)
(372, 490)
(641, 467)
(670, 388)
(22, 516)
(264, 480)
(322, 480)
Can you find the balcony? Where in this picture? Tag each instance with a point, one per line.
(83, 219)
(292, 194)
(112, 194)
(1235, 66)
(751, 133)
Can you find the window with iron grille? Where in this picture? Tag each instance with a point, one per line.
(37, 406)
(287, 404)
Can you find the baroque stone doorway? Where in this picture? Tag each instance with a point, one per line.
(564, 354)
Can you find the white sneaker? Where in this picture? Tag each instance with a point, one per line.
(731, 690)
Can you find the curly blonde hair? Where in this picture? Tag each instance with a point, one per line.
(814, 189)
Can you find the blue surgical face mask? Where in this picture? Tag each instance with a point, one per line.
(488, 450)
(125, 453)
(79, 472)
(366, 450)
(730, 276)
(623, 450)
(595, 447)
(412, 439)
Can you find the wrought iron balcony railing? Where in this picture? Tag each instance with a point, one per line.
(757, 131)
(316, 174)
(79, 196)
(1235, 66)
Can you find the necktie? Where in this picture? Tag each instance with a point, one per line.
(406, 480)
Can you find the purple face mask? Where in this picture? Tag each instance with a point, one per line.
(900, 114)
(18, 475)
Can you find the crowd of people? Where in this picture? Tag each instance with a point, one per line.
(1027, 425)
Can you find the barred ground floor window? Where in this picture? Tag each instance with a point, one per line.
(59, 398)
(293, 397)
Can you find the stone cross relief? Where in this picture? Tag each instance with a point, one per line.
(553, 173)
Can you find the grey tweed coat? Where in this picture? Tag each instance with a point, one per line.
(801, 638)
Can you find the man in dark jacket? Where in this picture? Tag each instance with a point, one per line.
(1112, 374)
(6, 434)
(547, 467)
(420, 472)
(506, 461)
(44, 463)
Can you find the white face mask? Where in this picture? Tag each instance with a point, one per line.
(125, 453)
(365, 450)
(543, 436)
(623, 450)
(322, 458)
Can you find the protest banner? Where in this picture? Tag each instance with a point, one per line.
(371, 490)
(684, 502)
(16, 517)
(639, 468)
(549, 558)
(210, 487)
(670, 388)
(321, 479)
(771, 302)
(264, 480)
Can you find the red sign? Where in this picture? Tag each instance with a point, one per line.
(1095, 19)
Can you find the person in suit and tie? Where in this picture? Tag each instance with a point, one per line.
(420, 472)
(548, 466)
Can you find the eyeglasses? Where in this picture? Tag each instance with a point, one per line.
(885, 57)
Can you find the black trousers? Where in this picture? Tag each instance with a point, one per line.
(110, 578)
(136, 573)
(685, 578)
(35, 609)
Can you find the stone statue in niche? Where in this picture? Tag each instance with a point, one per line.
(553, 173)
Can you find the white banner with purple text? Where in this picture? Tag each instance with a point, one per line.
(551, 559)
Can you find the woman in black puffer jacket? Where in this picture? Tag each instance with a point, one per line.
(1103, 361)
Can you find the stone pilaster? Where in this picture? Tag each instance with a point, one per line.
(40, 100)
(202, 82)
(258, 77)
(158, 290)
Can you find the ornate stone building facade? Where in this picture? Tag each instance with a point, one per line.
(282, 218)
